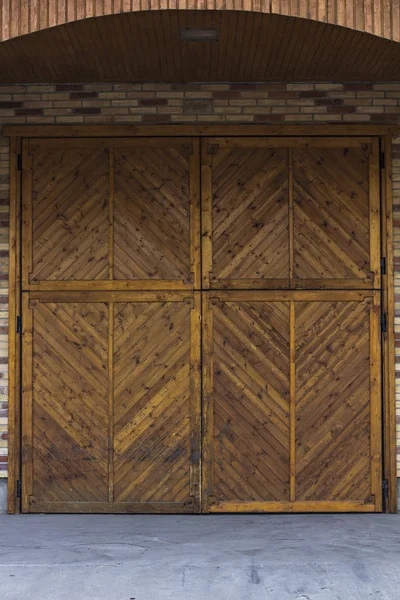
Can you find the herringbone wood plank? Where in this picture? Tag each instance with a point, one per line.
(70, 215)
(333, 401)
(70, 420)
(151, 402)
(250, 443)
(152, 213)
(331, 213)
(250, 214)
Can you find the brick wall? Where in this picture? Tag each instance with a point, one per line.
(189, 103)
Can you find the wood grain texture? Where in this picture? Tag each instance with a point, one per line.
(14, 339)
(69, 215)
(44, 136)
(152, 402)
(388, 307)
(334, 397)
(291, 413)
(293, 387)
(332, 215)
(250, 239)
(18, 17)
(248, 403)
(69, 429)
(152, 212)
(265, 47)
(290, 213)
(111, 403)
(119, 214)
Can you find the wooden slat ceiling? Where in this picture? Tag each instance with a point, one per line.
(380, 17)
(145, 46)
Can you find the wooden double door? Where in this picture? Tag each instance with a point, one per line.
(201, 325)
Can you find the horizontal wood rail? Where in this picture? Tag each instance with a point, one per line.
(101, 131)
(378, 17)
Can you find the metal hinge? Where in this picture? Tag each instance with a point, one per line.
(385, 489)
(19, 324)
(382, 160)
(19, 488)
(383, 266)
(383, 323)
(19, 162)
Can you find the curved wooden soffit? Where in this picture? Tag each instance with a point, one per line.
(378, 17)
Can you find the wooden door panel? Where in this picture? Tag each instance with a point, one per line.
(291, 385)
(155, 211)
(337, 388)
(111, 214)
(246, 396)
(290, 213)
(111, 402)
(65, 214)
(245, 214)
(152, 402)
(65, 403)
(336, 201)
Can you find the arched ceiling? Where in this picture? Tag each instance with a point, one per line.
(146, 46)
(379, 17)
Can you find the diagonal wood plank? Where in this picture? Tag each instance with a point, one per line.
(70, 215)
(70, 417)
(152, 213)
(331, 213)
(250, 439)
(152, 428)
(250, 213)
(333, 401)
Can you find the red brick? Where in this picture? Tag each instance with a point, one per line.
(282, 94)
(269, 118)
(69, 87)
(86, 111)
(10, 104)
(329, 101)
(152, 102)
(227, 95)
(341, 109)
(358, 87)
(246, 87)
(32, 112)
(312, 94)
(156, 118)
(392, 117)
(83, 95)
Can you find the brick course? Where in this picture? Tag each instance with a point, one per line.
(189, 103)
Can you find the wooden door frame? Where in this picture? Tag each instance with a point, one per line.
(17, 133)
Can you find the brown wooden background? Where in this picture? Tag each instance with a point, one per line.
(379, 17)
(76, 133)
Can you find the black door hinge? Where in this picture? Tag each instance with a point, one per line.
(383, 323)
(383, 266)
(19, 324)
(19, 162)
(19, 488)
(385, 489)
(382, 160)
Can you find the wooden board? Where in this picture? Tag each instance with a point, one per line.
(111, 215)
(282, 213)
(245, 214)
(277, 212)
(19, 18)
(111, 403)
(153, 212)
(264, 47)
(291, 402)
(336, 215)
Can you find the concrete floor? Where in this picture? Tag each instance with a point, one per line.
(227, 557)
